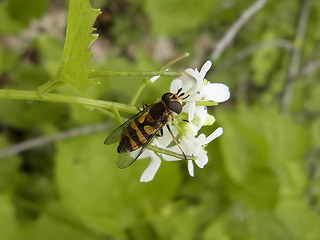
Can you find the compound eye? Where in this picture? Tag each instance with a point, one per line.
(175, 106)
(166, 96)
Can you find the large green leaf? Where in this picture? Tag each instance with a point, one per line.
(9, 166)
(53, 224)
(298, 216)
(242, 146)
(29, 114)
(79, 37)
(264, 138)
(106, 198)
(270, 187)
(171, 17)
(16, 14)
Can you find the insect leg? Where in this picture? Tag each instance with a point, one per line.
(175, 140)
(145, 105)
(160, 133)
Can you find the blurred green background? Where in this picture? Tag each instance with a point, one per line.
(263, 176)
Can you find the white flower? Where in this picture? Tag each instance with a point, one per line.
(194, 146)
(200, 91)
(155, 162)
(153, 167)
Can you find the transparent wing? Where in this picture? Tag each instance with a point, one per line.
(125, 159)
(115, 135)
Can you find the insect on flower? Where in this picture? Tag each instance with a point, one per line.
(138, 132)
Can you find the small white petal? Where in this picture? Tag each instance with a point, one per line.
(205, 68)
(153, 79)
(175, 85)
(202, 159)
(191, 168)
(202, 139)
(151, 170)
(194, 129)
(193, 73)
(201, 112)
(192, 110)
(217, 92)
(214, 135)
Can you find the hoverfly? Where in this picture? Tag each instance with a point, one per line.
(138, 132)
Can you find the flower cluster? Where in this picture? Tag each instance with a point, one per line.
(199, 90)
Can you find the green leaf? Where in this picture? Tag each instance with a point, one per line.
(72, 69)
(104, 197)
(299, 217)
(260, 190)
(50, 51)
(217, 230)
(243, 147)
(8, 227)
(265, 225)
(30, 11)
(54, 223)
(265, 61)
(9, 166)
(171, 17)
(16, 14)
(255, 137)
(177, 223)
(29, 114)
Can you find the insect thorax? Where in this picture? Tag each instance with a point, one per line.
(160, 113)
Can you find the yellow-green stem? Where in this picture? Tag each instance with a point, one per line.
(60, 98)
(137, 94)
(170, 153)
(96, 74)
(117, 115)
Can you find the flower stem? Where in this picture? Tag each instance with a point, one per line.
(48, 86)
(137, 94)
(170, 153)
(105, 112)
(173, 61)
(117, 115)
(206, 103)
(96, 74)
(53, 97)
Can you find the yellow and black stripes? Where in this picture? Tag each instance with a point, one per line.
(139, 131)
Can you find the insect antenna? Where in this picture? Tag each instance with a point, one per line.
(184, 97)
(182, 94)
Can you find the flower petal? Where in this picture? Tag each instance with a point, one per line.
(154, 78)
(201, 112)
(191, 168)
(192, 72)
(192, 109)
(175, 85)
(151, 170)
(217, 92)
(202, 158)
(214, 135)
(205, 68)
